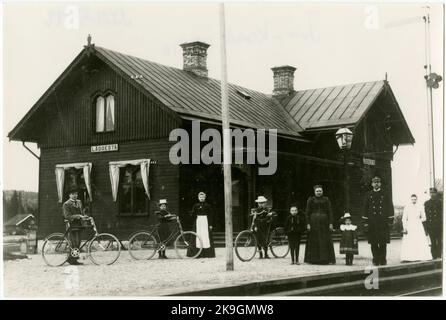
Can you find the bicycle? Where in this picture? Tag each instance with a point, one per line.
(102, 248)
(246, 243)
(145, 243)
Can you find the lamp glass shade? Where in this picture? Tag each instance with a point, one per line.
(344, 138)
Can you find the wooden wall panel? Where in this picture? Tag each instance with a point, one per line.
(69, 113)
(164, 182)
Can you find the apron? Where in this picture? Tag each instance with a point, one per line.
(202, 231)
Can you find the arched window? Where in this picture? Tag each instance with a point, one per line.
(105, 113)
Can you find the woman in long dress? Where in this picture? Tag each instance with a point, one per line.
(203, 214)
(319, 248)
(415, 245)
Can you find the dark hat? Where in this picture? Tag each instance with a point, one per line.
(433, 190)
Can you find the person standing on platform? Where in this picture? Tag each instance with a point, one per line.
(73, 213)
(319, 216)
(294, 227)
(166, 220)
(434, 222)
(263, 218)
(349, 239)
(204, 214)
(377, 212)
(414, 246)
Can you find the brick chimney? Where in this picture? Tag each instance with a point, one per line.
(283, 81)
(194, 57)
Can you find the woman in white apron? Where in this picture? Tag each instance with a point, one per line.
(203, 214)
(415, 245)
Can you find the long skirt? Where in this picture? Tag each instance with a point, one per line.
(165, 230)
(261, 231)
(319, 248)
(205, 234)
(415, 244)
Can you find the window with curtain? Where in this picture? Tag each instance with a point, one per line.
(74, 178)
(132, 196)
(105, 113)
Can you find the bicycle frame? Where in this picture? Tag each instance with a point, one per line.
(171, 236)
(69, 228)
(268, 233)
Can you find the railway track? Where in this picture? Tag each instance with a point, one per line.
(404, 280)
(430, 292)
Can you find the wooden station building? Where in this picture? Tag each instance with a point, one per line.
(104, 125)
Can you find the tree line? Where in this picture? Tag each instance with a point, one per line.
(18, 202)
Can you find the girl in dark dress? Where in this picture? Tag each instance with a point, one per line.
(203, 214)
(319, 216)
(349, 239)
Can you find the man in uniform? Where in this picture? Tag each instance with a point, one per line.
(434, 222)
(378, 212)
(73, 212)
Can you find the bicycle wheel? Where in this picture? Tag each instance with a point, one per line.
(186, 245)
(142, 246)
(246, 245)
(279, 243)
(104, 248)
(56, 249)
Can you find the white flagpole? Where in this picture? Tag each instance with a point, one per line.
(227, 154)
(430, 124)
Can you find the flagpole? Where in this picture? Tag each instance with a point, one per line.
(227, 154)
(428, 70)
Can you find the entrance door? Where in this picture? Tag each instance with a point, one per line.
(209, 179)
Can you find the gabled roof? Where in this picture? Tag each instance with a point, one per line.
(343, 105)
(193, 96)
(333, 106)
(189, 94)
(18, 219)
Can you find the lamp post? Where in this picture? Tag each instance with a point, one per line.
(344, 139)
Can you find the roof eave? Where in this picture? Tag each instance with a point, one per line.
(235, 123)
(13, 134)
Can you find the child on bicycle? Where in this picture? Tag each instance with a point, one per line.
(263, 218)
(294, 227)
(165, 218)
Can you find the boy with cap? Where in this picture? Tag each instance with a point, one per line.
(165, 218)
(377, 212)
(73, 212)
(263, 217)
(294, 227)
(434, 222)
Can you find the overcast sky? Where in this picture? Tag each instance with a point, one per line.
(329, 44)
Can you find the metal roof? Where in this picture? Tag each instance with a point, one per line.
(332, 106)
(189, 94)
(192, 96)
(18, 219)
